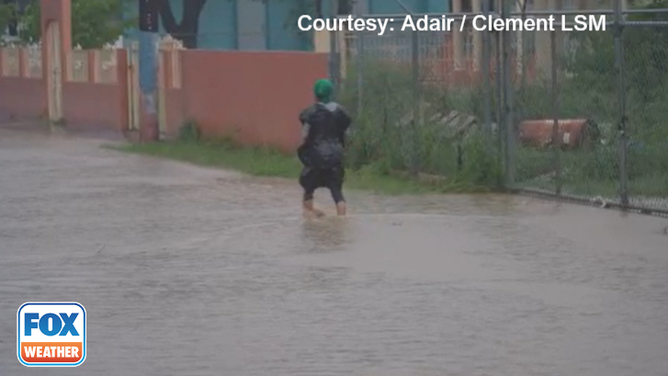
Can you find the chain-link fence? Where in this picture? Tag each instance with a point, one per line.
(420, 106)
(573, 114)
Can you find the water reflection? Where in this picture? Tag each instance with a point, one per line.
(222, 277)
(327, 234)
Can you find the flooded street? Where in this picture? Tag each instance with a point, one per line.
(192, 271)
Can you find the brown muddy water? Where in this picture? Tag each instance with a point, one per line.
(192, 271)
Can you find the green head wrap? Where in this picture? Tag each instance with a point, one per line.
(323, 90)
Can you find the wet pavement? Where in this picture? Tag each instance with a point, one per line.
(192, 271)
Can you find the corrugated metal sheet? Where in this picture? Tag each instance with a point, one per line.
(572, 133)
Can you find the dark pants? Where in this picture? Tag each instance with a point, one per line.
(330, 178)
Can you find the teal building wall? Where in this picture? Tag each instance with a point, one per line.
(271, 25)
(415, 6)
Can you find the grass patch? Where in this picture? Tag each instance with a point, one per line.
(252, 161)
(267, 162)
(595, 172)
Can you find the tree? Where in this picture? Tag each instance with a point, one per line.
(8, 16)
(8, 19)
(645, 51)
(94, 23)
(6, 12)
(186, 31)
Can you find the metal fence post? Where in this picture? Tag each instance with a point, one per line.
(334, 63)
(507, 99)
(148, 69)
(417, 95)
(621, 96)
(360, 67)
(487, 90)
(556, 141)
(415, 63)
(500, 118)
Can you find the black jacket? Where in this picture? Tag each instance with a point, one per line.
(326, 126)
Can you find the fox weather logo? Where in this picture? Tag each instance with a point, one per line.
(51, 334)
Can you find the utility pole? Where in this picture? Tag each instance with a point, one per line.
(148, 69)
(334, 62)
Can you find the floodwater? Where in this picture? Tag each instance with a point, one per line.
(191, 271)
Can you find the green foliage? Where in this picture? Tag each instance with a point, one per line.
(189, 132)
(385, 138)
(94, 22)
(7, 13)
(30, 20)
(261, 161)
(588, 88)
(595, 78)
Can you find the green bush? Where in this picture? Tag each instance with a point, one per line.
(189, 132)
(587, 87)
(94, 23)
(385, 137)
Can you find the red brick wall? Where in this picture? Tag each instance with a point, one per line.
(98, 105)
(255, 97)
(22, 98)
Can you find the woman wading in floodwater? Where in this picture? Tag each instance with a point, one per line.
(324, 127)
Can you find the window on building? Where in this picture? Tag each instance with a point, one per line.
(467, 5)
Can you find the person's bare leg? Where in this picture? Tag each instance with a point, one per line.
(341, 209)
(308, 205)
(337, 195)
(309, 208)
